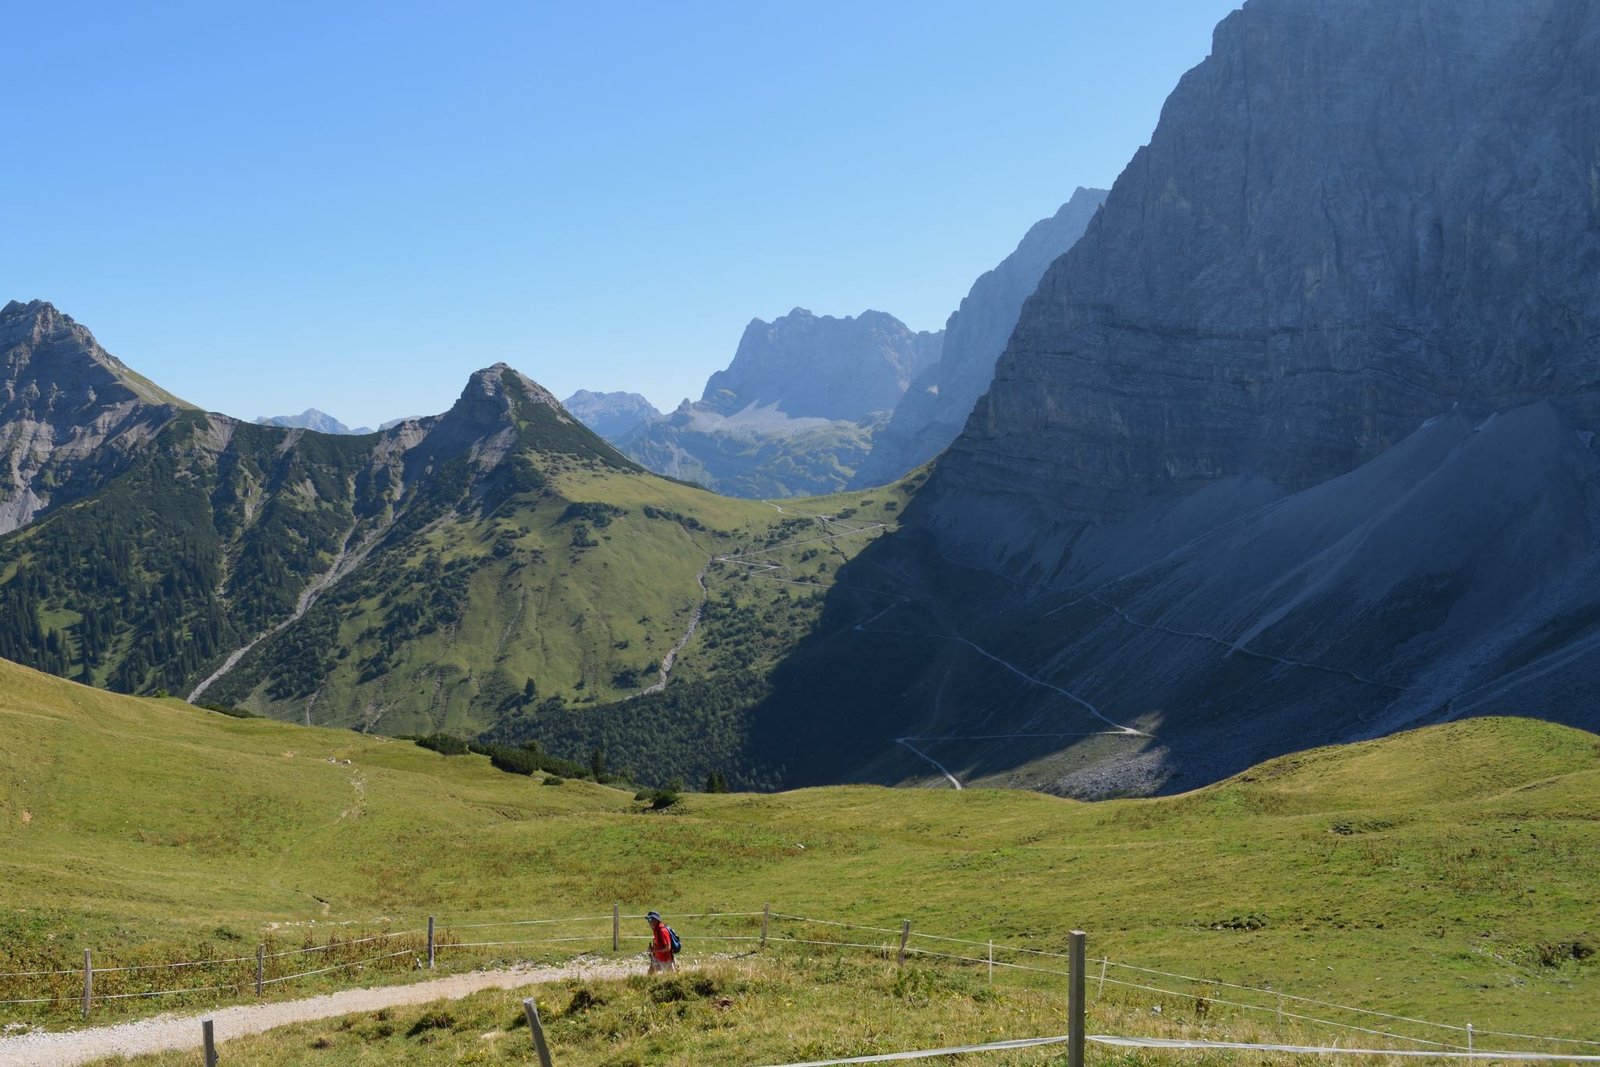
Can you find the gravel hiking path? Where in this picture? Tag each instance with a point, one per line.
(165, 1032)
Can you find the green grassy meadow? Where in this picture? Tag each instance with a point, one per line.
(581, 590)
(1448, 874)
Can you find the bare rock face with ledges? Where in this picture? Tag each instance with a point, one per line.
(1296, 445)
(70, 412)
(936, 406)
(818, 366)
(1352, 217)
(794, 413)
(611, 415)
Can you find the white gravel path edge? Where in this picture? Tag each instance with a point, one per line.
(165, 1032)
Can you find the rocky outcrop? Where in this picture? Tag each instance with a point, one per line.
(70, 412)
(822, 367)
(1297, 444)
(611, 415)
(1352, 217)
(936, 406)
(794, 414)
(500, 411)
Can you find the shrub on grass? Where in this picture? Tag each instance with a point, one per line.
(513, 760)
(444, 744)
(662, 798)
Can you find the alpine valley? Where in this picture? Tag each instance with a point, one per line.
(1294, 445)
(493, 566)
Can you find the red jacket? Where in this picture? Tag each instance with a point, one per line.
(661, 943)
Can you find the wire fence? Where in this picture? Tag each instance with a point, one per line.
(1117, 987)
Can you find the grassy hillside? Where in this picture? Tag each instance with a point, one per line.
(1448, 873)
(493, 566)
(530, 616)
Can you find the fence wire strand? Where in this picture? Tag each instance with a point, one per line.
(1286, 1014)
(337, 967)
(884, 948)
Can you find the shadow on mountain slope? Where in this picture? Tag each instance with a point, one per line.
(1454, 575)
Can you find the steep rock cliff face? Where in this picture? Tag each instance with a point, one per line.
(1351, 218)
(1297, 444)
(611, 415)
(795, 412)
(69, 411)
(821, 367)
(936, 406)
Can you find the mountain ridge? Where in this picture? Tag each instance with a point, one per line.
(794, 412)
(459, 571)
(1298, 307)
(935, 406)
(71, 411)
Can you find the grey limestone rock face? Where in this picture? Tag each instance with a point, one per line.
(611, 415)
(936, 406)
(795, 412)
(70, 412)
(1296, 445)
(822, 367)
(1352, 217)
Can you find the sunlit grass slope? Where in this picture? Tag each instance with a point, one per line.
(1449, 873)
(580, 589)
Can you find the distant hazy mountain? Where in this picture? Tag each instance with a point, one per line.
(935, 407)
(814, 366)
(795, 411)
(611, 415)
(311, 419)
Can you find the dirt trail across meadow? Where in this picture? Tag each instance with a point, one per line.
(166, 1032)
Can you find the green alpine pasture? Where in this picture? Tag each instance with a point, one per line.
(488, 577)
(1447, 874)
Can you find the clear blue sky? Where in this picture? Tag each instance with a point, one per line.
(268, 207)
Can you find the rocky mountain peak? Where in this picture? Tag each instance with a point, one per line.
(44, 351)
(1295, 273)
(808, 365)
(503, 383)
(40, 316)
(312, 419)
(501, 411)
(69, 410)
(611, 415)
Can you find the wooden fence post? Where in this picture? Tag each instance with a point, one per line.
(766, 919)
(210, 1039)
(430, 942)
(261, 969)
(88, 983)
(616, 927)
(1100, 991)
(905, 935)
(539, 1046)
(991, 961)
(1075, 1001)
(1469, 1039)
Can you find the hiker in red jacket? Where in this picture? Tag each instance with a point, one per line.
(662, 952)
